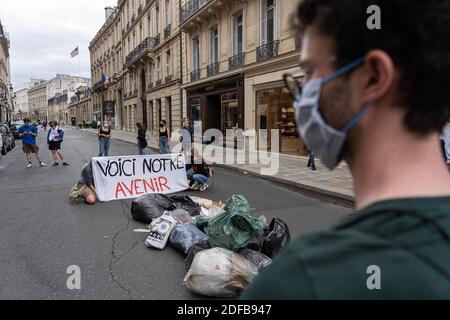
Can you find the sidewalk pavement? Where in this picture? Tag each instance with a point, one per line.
(335, 185)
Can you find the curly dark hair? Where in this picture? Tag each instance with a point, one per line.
(416, 35)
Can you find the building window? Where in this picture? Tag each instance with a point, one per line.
(214, 45)
(196, 54)
(158, 69)
(238, 33)
(268, 21)
(157, 20)
(167, 11)
(168, 64)
(275, 111)
(149, 24)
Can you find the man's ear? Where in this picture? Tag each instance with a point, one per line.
(378, 77)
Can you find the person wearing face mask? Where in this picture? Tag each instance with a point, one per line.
(104, 137)
(164, 138)
(369, 96)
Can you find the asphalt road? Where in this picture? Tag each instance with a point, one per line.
(42, 234)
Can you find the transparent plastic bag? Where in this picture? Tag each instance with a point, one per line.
(182, 216)
(185, 236)
(220, 273)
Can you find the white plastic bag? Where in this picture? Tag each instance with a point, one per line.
(220, 273)
(211, 212)
(206, 203)
(160, 231)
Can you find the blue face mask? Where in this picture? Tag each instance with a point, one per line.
(321, 138)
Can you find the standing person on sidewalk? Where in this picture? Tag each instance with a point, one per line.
(164, 138)
(187, 137)
(28, 134)
(312, 161)
(55, 138)
(142, 139)
(378, 99)
(104, 136)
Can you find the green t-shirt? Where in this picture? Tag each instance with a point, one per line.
(408, 239)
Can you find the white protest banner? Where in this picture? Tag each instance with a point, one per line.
(129, 177)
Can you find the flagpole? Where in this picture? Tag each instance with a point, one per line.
(79, 73)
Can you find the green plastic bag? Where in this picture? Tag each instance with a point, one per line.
(234, 228)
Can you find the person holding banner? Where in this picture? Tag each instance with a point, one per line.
(142, 139)
(199, 173)
(85, 187)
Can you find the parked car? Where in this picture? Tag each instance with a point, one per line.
(15, 131)
(8, 141)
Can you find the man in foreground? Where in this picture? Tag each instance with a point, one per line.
(378, 99)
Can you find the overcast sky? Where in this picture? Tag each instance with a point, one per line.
(43, 34)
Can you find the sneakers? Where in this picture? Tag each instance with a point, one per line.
(65, 164)
(55, 164)
(204, 187)
(42, 164)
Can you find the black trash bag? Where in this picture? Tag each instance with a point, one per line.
(199, 247)
(260, 260)
(185, 236)
(149, 207)
(276, 237)
(186, 203)
(256, 242)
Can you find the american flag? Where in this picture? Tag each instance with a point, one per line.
(75, 52)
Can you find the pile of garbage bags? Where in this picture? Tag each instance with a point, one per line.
(224, 245)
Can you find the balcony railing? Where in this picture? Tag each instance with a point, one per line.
(148, 43)
(191, 7)
(140, 9)
(237, 61)
(168, 79)
(268, 51)
(213, 69)
(157, 39)
(158, 82)
(195, 75)
(167, 31)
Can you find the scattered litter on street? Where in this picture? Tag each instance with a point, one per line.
(224, 243)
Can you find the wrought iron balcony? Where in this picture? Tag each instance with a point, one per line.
(213, 69)
(148, 43)
(268, 51)
(158, 82)
(140, 9)
(236, 61)
(191, 7)
(167, 31)
(158, 39)
(195, 75)
(169, 79)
